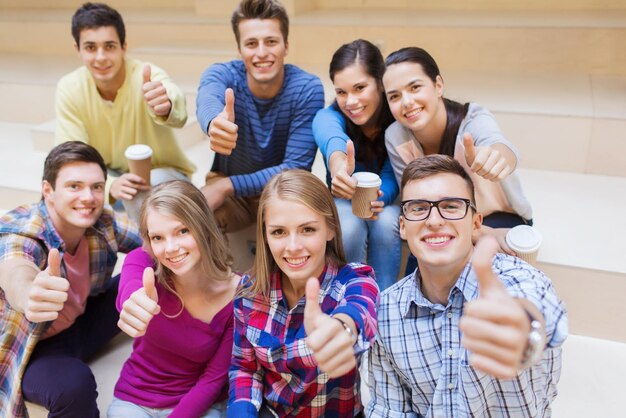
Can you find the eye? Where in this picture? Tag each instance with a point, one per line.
(272, 42)
(308, 229)
(250, 44)
(155, 238)
(392, 97)
(415, 87)
(184, 231)
(110, 47)
(98, 187)
(89, 47)
(360, 88)
(340, 92)
(277, 232)
(73, 186)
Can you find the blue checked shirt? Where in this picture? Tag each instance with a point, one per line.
(418, 367)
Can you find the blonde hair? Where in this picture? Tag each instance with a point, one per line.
(302, 187)
(185, 202)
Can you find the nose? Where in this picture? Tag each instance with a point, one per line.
(87, 194)
(352, 100)
(406, 99)
(171, 245)
(100, 53)
(262, 51)
(434, 218)
(293, 243)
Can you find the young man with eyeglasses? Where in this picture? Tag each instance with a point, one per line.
(467, 334)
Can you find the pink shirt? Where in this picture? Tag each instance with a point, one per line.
(77, 269)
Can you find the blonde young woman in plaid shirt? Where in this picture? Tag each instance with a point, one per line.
(304, 316)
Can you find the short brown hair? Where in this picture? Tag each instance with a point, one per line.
(67, 153)
(430, 165)
(260, 9)
(302, 187)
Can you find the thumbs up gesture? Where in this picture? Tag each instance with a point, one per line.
(495, 326)
(48, 291)
(487, 162)
(222, 129)
(341, 169)
(330, 343)
(139, 309)
(154, 94)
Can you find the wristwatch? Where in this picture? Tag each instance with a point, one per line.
(535, 344)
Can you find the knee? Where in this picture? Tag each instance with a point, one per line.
(76, 392)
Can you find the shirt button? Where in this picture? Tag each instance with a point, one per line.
(450, 386)
(450, 352)
(449, 315)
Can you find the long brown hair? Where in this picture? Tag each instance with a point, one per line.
(302, 187)
(185, 202)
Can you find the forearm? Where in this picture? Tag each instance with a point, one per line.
(16, 277)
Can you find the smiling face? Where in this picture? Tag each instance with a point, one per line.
(296, 236)
(76, 201)
(103, 55)
(414, 99)
(439, 244)
(172, 243)
(358, 94)
(263, 50)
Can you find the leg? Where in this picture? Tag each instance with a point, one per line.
(236, 213)
(217, 410)
(124, 409)
(62, 384)
(353, 231)
(57, 376)
(384, 249)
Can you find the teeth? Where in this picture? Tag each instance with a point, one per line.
(413, 112)
(178, 258)
(296, 260)
(437, 240)
(263, 64)
(84, 211)
(355, 111)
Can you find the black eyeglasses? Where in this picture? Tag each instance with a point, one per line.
(452, 208)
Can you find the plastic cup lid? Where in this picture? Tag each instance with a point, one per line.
(524, 238)
(138, 152)
(366, 179)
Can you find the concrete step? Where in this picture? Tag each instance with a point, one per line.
(562, 41)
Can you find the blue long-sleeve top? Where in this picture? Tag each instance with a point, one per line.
(273, 135)
(329, 131)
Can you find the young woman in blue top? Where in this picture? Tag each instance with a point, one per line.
(351, 135)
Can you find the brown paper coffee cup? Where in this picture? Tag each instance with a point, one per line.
(139, 158)
(525, 241)
(366, 192)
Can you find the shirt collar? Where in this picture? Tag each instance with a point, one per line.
(276, 292)
(413, 296)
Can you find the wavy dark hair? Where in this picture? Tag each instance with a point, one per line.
(368, 56)
(455, 111)
(96, 15)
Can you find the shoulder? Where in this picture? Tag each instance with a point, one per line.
(296, 79)
(75, 80)
(396, 134)
(477, 113)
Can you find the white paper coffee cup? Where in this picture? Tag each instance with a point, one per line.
(139, 158)
(366, 191)
(525, 241)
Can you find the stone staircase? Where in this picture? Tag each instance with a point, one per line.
(553, 73)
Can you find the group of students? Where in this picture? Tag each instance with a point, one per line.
(468, 333)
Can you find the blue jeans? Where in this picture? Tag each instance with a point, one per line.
(57, 376)
(124, 409)
(376, 243)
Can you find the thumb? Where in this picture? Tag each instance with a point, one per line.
(54, 263)
(229, 107)
(147, 73)
(470, 151)
(148, 284)
(312, 308)
(350, 157)
(484, 251)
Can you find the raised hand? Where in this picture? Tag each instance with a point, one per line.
(154, 94)
(495, 326)
(342, 167)
(487, 162)
(139, 309)
(331, 345)
(48, 291)
(222, 129)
